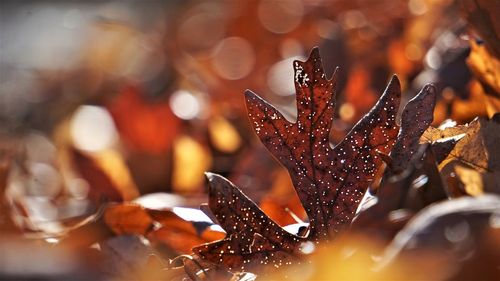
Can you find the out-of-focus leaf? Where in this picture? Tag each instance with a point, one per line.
(125, 255)
(402, 195)
(281, 203)
(191, 159)
(101, 187)
(471, 180)
(486, 68)
(128, 219)
(112, 163)
(223, 135)
(447, 234)
(143, 125)
(180, 234)
(482, 16)
(163, 226)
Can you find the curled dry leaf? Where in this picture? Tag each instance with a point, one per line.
(162, 226)
(447, 234)
(475, 158)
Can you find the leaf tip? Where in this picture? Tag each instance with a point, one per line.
(394, 86)
(427, 95)
(210, 176)
(314, 52)
(395, 81)
(249, 93)
(249, 96)
(429, 87)
(216, 181)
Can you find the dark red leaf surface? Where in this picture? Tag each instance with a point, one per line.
(408, 162)
(416, 118)
(329, 181)
(252, 237)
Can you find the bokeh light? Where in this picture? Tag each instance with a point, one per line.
(233, 58)
(185, 105)
(93, 129)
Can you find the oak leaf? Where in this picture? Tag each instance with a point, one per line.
(329, 181)
(252, 237)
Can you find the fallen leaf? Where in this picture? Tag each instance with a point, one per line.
(476, 148)
(481, 14)
(101, 187)
(402, 195)
(128, 219)
(142, 123)
(253, 239)
(443, 236)
(416, 118)
(162, 226)
(329, 181)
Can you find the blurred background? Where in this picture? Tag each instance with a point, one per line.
(110, 100)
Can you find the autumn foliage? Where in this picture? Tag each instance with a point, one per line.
(264, 140)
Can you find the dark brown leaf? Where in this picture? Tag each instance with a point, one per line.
(400, 196)
(450, 230)
(416, 118)
(329, 181)
(252, 237)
